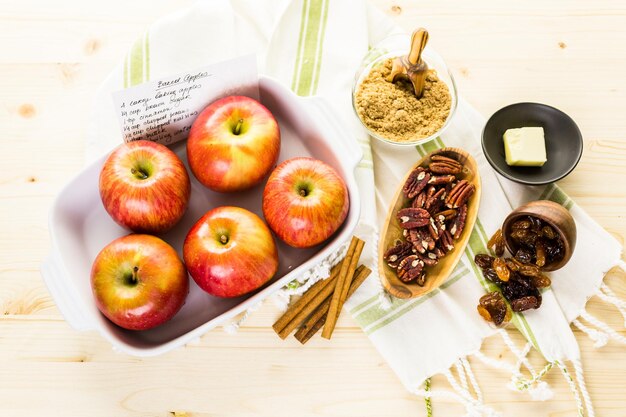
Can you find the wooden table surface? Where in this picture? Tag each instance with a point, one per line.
(53, 54)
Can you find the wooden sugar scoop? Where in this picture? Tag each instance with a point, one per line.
(412, 66)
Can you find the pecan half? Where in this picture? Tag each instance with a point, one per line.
(434, 203)
(430, 191)
(411, 218)
(447, 214)
(396, 254)
(421, 280)
(428, 258)
(459, 194)
(419, 201)
(443, 165)
(421, 240)
(410, 268)
(459, 222)
(434, 228)
(445, 241)
(441, 179)
(417, 181)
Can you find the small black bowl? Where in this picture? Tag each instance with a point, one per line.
(564, 142)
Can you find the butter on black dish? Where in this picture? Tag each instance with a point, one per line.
(525, 146)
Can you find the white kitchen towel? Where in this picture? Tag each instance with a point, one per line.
(315, 47)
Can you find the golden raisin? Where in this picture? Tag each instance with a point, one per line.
(548, 232)
(497, 241)
(513, 264)
(502, 270)
(529, 270)
(483, 312)
(541, 281)
(540, 253)
(521, 224)
(494, 308)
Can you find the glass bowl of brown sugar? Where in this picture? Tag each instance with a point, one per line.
(391, 112)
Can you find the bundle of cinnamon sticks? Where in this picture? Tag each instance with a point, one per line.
(321, 305)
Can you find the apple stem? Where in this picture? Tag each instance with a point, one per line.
(134, 278)
(224, 239)
(237, 129)
(303, 192)
(139, 173)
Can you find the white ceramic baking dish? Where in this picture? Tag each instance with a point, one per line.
(80, 228)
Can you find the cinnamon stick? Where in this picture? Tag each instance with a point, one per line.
(285, 321)
(348, 267)
(318, 318)
(305, 333)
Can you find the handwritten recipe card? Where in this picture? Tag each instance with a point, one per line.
(163, 110)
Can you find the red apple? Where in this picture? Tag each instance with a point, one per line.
(305, 201)
(233, 144)
(230, 252)
(144, 186)
(139, 282)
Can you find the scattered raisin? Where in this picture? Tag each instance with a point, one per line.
(516, 288)
(524, 303)
(541, 281)
(513, 264)
(483, 260)
(490, 274)
(524, 237)
(497, 242)
(521, 224)
(548, 232)
(529, 270)
(501, 269)
(554, 250)
(535, 224)
(524, 256)
(484, 313)
(495, 307)
(540, 253)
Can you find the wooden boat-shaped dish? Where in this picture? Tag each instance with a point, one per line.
(392, 232)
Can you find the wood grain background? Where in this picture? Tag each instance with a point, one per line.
(53, 55)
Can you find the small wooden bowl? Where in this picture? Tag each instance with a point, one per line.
(392, 231)
(552, 213)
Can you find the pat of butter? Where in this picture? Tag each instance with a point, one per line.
(525, 147)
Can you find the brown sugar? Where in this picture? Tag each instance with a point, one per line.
(392, 110)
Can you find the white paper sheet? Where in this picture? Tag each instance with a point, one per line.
(163, 110)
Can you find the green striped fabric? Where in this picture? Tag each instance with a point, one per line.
(310, 46)
(371, 315)
(137, 62)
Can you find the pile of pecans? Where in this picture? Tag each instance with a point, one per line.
(434, 219)
(519, 278)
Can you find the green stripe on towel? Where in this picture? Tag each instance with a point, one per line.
(411, 306)
(316, 73)
(296, 68)
(137, 63)
(308, 61)
(376, 317)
